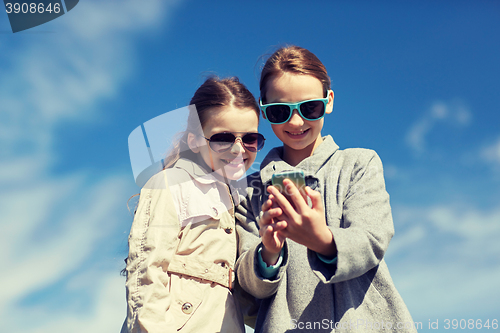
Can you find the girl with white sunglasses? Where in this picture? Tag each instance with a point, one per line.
(182, 244)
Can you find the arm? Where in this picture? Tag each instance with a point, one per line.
(247, 265)
(305, 225)
(271, 233)
(366, 225)
(152, 243)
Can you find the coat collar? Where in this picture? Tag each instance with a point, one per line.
(200, 175)
(274, 163)
(196, 172)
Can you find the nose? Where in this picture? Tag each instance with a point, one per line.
(237, 147)
(296, 120)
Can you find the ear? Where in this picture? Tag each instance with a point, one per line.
(329, 106)
(192, 143)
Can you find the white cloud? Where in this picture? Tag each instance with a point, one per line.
(105, 315)
(491, 153)
(453, 289)
(49, 231)
(407, 240)
(416, 135)
(465, 230)
(444, 259)
(452, 112)
(466, 222)
(52, 225)
(391, 171)
(63, 75)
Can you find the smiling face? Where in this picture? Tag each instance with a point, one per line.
(231, 164)
(300, 137)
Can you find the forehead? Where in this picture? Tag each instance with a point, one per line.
(231, 119)
(288, 87)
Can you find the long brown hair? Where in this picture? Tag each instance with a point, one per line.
(214, 92)
(296, 60)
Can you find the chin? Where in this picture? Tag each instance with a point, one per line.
(231, 173)
(296, 145)
(300, 144)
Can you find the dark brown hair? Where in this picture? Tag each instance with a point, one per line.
(214, 92)
(296, 60)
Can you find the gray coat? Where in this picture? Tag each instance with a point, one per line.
(357, 293)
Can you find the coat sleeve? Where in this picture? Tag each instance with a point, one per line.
(247, 271)
(152, 243)
(365, 228)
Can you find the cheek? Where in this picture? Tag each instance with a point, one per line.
(318, 125)
(315, 125)
(251, 159)
(277, 129)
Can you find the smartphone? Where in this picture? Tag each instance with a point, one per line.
(297, 177)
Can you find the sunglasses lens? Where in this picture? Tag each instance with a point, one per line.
(277, 113)
(253, 141)
(222, 141)
(312, 110)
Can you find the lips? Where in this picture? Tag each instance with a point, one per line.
(297, 134)
(235, 163)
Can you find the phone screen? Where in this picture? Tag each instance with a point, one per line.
(297, 177)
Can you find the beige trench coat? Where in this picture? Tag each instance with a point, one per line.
(182, 251)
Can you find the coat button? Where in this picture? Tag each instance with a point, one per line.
(187, 308)
(228, 230)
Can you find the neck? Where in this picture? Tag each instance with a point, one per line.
(211, 171)
(294, 157)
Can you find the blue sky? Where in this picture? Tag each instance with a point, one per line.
(417, 81)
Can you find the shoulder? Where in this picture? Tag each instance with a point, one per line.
(168, 177)
(254, 178)
(251, 190)
(354, 162)
(275, 154)
(249, 185)
(357, 156)
(361, 155)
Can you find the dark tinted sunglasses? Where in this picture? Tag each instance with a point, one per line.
(221, 142)
(280, 113)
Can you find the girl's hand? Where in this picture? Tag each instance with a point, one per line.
(304, 225)
(271, 231)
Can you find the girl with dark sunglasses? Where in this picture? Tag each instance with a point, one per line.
(316, 259)
(182, 244)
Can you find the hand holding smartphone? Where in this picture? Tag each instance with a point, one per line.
(297, 177)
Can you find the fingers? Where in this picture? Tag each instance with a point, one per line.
(278, 226)
(269, 224)
(273, 228)
(269, 203)
(280, 199)
(272, 238)
(270, 211)
(297, 197)
(269, 215)
(315, 198)
(267, 238)
(266, 205)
